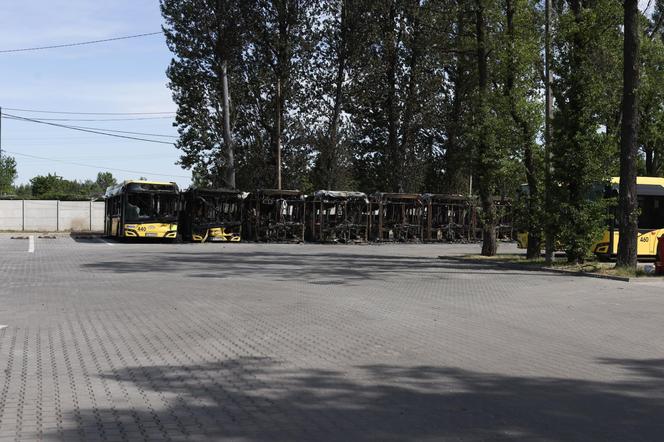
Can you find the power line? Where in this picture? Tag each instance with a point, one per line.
(10, 117)
(95, 167)
(93, 131)
(81, 43)
(39, 111)
(105, 119)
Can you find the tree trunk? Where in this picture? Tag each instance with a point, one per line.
(484, 172)
(229, 153)
(455, 180)
(277, 133)
(330, 165)
(394, 163)
(649, 161)
(281, 73)
(628, 203)
(408, 130)
(549, 246)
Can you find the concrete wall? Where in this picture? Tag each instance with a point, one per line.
(40, 215)
(11, 215)
(52, 216)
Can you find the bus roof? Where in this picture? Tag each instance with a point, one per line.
(114, 190)
(642, 180)
(645, 185)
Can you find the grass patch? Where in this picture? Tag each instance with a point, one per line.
(560, 263)
(515, 259)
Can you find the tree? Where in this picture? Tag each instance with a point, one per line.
(206, 39)
(105, 180)
(584, 152)
(486, 163)
(457, 162)
(651, 94)
(521, 82)
(270, 72)
(628, 203)
(398, 94)
(334, 44)
(8, 174)
(44, 185)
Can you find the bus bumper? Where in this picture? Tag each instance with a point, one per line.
(151, 230)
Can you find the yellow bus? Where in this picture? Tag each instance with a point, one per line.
(141, 209)
(650, 194)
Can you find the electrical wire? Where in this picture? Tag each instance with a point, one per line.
(95, 167)
(93, 131)
(84, 113)
(106, 119)
(81, 43)
(10, 117)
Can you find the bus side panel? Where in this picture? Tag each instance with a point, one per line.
(115, 226)
(647, 242)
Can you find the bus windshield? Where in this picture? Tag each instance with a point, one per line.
(143, 207)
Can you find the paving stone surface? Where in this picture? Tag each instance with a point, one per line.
(121, 341)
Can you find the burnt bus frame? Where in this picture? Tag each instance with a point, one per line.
(261, 224)
(400, 213)
(453, 215)
(187, 225)
(324, 227)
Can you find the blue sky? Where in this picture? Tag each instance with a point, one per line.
(122, 76)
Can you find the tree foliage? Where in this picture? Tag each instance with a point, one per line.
(8, 174)
(416, 96)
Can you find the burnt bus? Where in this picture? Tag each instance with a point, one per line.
(211, 215)
(396, 217)
(337, 217)
(449, 218)
(273, 215)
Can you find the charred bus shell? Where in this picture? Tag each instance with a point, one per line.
(211, 215)
(337, 216)
(395, 217)
(449, 218)
(275, 216)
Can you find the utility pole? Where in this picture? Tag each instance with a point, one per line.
(549, 244)
(0, 132)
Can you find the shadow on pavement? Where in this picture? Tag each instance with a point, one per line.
(259, 399)
(282, 265)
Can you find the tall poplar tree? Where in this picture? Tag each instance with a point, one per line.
(206, 39)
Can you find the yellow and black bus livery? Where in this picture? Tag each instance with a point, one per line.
(650, 194)
(142, 209)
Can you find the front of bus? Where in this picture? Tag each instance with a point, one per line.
(216, 214)
(151, 210)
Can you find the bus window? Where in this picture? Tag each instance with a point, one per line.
(146, 206)
(651, 215)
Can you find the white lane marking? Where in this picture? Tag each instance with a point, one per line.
(108, 243)
(31, 244)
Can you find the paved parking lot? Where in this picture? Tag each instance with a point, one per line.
(107, 341)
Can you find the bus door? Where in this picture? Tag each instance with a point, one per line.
(651, 223)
